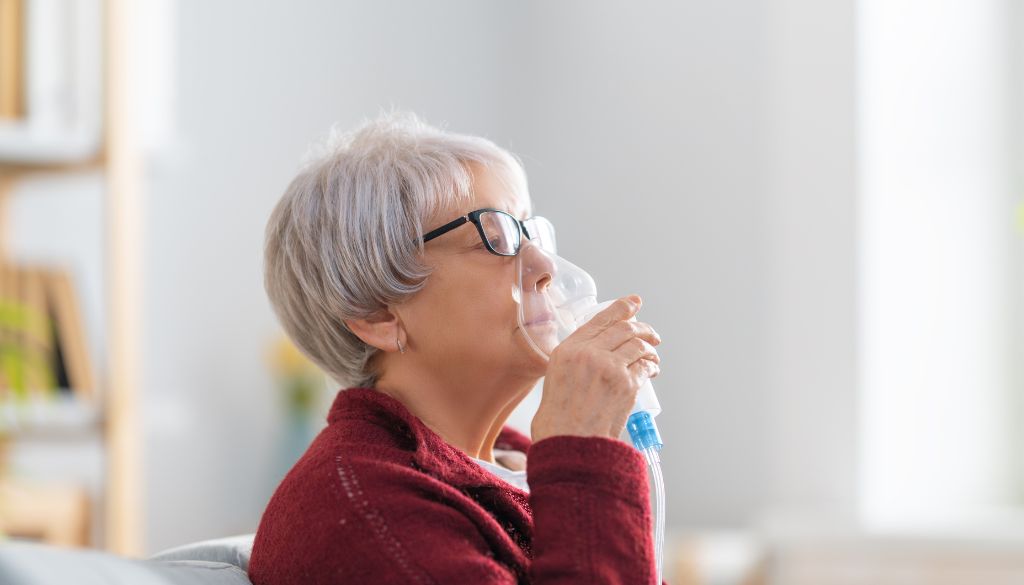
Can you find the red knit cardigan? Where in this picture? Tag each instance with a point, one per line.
(379, 498)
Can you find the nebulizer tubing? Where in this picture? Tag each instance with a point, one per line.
(556, 297)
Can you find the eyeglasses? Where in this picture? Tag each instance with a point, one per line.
(501, 232)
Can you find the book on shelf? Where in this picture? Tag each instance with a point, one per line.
(43, 347)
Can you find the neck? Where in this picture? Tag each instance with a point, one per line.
(467, 415)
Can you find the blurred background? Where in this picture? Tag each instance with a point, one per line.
(821, 202)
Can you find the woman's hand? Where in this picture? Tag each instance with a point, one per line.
(594, 375)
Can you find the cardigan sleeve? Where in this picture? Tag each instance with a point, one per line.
(591, 512)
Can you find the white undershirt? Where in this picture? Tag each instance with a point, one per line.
(512, 459)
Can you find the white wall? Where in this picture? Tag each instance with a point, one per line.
(936, 241)
(1015, 43)
(810, 192)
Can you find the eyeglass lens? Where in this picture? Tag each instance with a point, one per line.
(502, 232)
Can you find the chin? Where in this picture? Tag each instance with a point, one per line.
(532, 362)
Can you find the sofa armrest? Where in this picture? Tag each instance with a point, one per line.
(23, 563)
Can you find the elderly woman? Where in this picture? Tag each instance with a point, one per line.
(416, 479)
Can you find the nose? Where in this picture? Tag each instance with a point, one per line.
(538, 267)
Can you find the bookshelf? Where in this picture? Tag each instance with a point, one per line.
(97, 407)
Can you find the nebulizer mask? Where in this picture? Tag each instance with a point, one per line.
(555, 297)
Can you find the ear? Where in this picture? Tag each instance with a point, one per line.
(381, 330)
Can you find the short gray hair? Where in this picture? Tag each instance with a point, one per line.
(344, 240)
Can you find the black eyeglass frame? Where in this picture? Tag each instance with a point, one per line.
(474, 217)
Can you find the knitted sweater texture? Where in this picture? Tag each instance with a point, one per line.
(379, 498)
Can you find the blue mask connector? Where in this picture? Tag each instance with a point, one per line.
(643, 432)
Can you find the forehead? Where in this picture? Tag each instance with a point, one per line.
(489, 190)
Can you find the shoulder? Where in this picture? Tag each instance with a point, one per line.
(332, 512)
(369, 489)
(373, 515)
(370, 442)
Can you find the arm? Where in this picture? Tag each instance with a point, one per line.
(592, 516)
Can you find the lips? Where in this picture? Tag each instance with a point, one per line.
(537, 309)
(541, 319)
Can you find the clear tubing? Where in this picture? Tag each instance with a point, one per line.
(654, 463)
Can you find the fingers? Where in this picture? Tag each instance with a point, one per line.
(630, 342)
(636, 349)
(644, 369)
(621, 310)
(618, 333)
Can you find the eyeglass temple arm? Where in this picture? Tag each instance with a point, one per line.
(445, 228)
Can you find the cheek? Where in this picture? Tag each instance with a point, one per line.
(464, 307)
(484, 302)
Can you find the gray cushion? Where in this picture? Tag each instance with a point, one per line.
(234, 550)
(23, 563)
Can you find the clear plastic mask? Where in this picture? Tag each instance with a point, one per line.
(554, 297)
